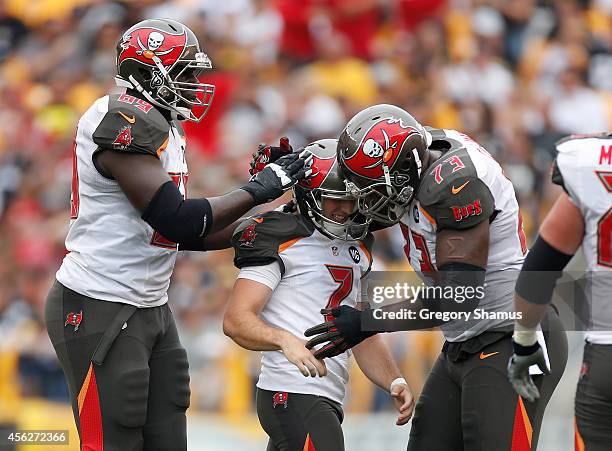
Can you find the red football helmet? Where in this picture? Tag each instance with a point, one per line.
(326, 182)
(161, 59)
(380, 152)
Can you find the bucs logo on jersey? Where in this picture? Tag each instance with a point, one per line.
(124, 138)
(381, 144)
(472, 209)
(74, 319)
(320, 168)
(248, 236)
(146, 44)
(280, 398)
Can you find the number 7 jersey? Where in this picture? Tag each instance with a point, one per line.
(583, 167)
(114, 255)
(316, 272)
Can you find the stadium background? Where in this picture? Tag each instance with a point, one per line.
(514, 75)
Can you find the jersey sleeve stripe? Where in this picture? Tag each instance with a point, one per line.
(162, 148)
(427, 215)
(365, 251)
(287, 244)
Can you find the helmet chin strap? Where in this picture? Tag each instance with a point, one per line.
(387, 179)
(418, 162)
(131, 83)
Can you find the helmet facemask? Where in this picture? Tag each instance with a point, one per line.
(354, 228)
(181, 92)
(386, 201)
(382, 203)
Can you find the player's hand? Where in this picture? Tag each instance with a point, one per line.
(269, 154)
(296, 353)
(289, 207)
(518, 369)
(278, 177)
(342, 333)
(404, 403)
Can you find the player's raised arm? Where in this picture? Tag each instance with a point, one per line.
(187, 221)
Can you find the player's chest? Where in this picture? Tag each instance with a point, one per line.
(323, 265)
(419, 239)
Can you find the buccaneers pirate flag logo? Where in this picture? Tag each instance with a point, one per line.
(381, 144)
(74, 319)
(145, 44)
(248, 236)
(124, 138)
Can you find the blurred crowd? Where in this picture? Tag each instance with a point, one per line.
(514, 75)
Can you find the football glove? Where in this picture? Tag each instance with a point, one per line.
(343, 332)
(518, 369)
(269, 154)
(278, 177)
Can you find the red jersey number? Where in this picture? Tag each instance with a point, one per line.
(343, 276)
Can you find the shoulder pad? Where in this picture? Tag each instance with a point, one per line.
(602, 135)
(132, 125)
(259, 240)
(453, 195)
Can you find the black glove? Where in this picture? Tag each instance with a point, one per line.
(343, 332)
(289, 207)
(278, 177)
(518, 369)
(269, 154)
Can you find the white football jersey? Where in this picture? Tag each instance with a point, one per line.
(584, 164)
(317, 272)
(113, 255)
(457, 171)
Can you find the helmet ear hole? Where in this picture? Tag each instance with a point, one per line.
(408, 161)
(145, 74)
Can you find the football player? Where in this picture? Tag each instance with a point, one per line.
(292, 266)
(107, 313)
(463, 231)
(581, 216)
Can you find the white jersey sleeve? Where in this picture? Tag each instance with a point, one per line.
(268, 275)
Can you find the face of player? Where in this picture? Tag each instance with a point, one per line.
(338, 210)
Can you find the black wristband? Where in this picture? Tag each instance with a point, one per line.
(542, 267)
(525, 350)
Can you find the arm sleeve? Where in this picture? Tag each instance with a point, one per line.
(268, 275)
(177, 219)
